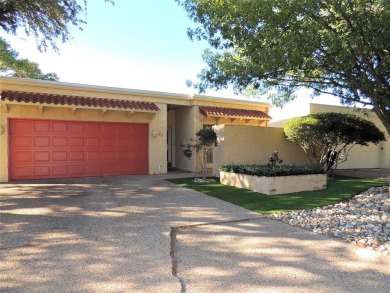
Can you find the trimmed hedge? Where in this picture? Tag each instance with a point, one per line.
(269, 171)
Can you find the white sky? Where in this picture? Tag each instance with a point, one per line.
(136, 44)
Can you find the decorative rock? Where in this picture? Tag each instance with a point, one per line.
(363, 220)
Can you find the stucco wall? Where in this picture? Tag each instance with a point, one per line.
(184, 131)
(253, 145)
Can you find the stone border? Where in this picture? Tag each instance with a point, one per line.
(275, 185)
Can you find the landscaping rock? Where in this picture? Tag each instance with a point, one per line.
(363, 220)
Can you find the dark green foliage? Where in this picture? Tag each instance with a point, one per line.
(333, 47)
(206, 138)
(316, 133)
(338, 189)
(268, 171)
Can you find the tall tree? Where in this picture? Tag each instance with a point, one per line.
(11, 65)
(338, 47)
(48, 21)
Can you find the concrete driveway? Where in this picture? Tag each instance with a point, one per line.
(144, 234)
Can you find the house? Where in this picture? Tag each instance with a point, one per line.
(61, 130)
(371, 156)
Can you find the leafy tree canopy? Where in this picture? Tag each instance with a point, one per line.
(11, 65)
(318, 133)
(46, 20)
(338, 47)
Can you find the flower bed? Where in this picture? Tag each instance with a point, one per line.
(278, 180)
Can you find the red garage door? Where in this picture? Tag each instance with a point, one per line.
(58, 149)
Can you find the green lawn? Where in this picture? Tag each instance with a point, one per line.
(338, 189)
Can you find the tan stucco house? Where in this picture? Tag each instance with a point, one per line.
(58, 130)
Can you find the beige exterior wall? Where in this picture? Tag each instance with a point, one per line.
(3, 147)
(184, 118)
(253, 145)
(185, 129)
(371, 156)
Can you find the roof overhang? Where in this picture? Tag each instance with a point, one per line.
(231, 113)
(75, 102)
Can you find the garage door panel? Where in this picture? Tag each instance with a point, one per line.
(109, 169)
(55, 149)
(93, 128)
(22, 156)
(94, 170)
(41, 171)
(123, 156)
(23, 126)
(108, 141)
(76, 170)
(123, 169)
(42, 141)
(76, 156)
(25, 172)
(76, 141)
(60, 170)
(59, 127)
(108, 129)
(76, 127)
(22, 141)
(42, 156)
(93, 142)
(93, 155)
(108, 156)
(60, 156)
(41, 126)
(59, 141)
(122, 143)
(138, 168)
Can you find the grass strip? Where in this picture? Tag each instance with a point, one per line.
(338, 189)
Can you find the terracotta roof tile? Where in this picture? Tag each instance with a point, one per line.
(35, 98)
(232, 113)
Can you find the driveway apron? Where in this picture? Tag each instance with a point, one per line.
(144, 234)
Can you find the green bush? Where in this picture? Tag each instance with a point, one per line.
(268, 171)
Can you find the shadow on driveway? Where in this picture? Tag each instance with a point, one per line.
(112, 234)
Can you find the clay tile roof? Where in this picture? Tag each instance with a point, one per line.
(232, 113)
(24, 97)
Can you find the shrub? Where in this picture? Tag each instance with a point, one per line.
(268, 171)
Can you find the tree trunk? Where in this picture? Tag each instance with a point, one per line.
(382, 118)
(204, 165)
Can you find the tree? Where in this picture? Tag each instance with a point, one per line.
(46, 20)
(206, 139)
(338, 47)
(11, 65)
(319, 133)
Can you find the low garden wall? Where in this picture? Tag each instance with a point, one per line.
(275, 185)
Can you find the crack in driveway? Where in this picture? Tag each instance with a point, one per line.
(174, 248)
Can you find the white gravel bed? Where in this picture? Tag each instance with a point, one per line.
(363, 219)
